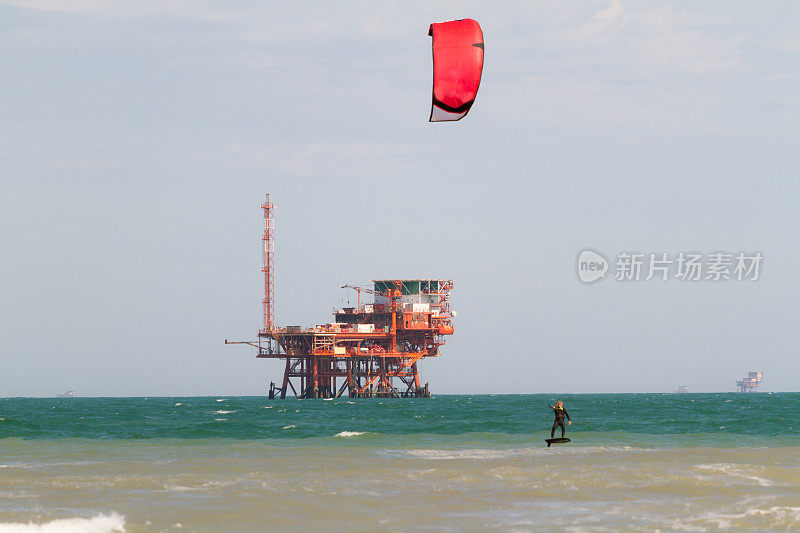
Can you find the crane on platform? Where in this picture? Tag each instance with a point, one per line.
(358, 290)
(392, 294)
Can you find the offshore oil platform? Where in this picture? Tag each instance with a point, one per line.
(750, 382)
(370, 350)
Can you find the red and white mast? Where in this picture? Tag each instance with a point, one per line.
(268, 256)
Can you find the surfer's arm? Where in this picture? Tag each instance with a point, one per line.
(568, 418)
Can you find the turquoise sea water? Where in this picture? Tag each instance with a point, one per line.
(643, 419)
(457, 463)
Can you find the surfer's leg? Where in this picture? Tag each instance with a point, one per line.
(561, 423)
(553, 431)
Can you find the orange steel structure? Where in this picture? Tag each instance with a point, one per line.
(371, 350)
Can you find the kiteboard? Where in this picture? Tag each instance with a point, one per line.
(560, 440)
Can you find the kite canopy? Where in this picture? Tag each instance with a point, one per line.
(457, 67)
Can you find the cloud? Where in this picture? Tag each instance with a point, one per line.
(588, 62)
(660, 38)
(615, 63)
(109, 7)
(790, 45)
(302, 158)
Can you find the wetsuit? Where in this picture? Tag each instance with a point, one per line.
(560, 413)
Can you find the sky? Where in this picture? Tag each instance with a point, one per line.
(138, 140)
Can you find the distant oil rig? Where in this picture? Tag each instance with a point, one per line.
(750, 382)
(371, 350)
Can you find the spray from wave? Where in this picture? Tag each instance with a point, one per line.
(98, 524)
(349, 433)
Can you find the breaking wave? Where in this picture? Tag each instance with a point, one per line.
(350, 433)
(98, 524)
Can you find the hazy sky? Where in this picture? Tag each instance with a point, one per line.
(138, 139)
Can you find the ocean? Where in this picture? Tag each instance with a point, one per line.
(670, 462)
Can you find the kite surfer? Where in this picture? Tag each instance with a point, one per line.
(560, 413)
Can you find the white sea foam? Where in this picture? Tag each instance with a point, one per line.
(98, 524)
(470, 453)
(783, 513)
(203, 487)
(776, 516)
(221, 412)
(290, 426)
(220, 419)
(350, 433)
(177, 404)
(220, 399)
(482, 453)
(737, 471)
(328, 399)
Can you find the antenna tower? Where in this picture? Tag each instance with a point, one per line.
(268, 256)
